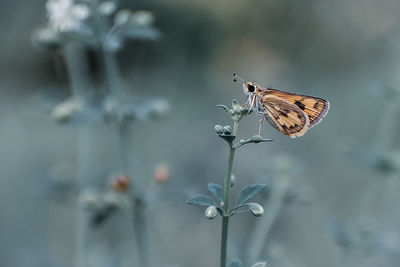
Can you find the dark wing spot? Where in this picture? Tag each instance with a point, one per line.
(283, 113)
(300, 105)
(318, 105)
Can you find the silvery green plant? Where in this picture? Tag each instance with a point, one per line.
(360, 237)
(74, 27)
(219, 202)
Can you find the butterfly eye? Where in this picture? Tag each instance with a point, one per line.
(251, 88)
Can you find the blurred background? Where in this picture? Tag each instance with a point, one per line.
(336, 204)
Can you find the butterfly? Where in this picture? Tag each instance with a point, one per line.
(290, 113)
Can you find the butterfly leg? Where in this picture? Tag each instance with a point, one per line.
(252, 104)
(259, 127)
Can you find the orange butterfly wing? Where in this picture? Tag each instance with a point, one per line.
(316, 108)
(286, 117)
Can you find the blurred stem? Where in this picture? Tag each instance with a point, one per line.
(112, 74)
(385, 137)
(78, 69)
(386, 132)
(260, 233)
(81, 85)
(116, 91)
(225, 218)
(141, 232)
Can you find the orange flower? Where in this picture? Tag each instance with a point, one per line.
(120, 183)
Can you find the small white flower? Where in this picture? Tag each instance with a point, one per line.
(107, 8)
(143, 17)
(123, 17)
(89, 199)
(65, 15)
(63, 111)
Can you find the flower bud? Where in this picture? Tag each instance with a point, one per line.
(119, 183)
(211, 212)
(236, 106)
(227, 130)
(161, 173)
(158, 108)
(89, 199)
(65, 110)
(256, 139)
(256, 209)
(219, 129)
(123, 17)
(233, 180)
(46, 38)
(143, 17)
(107, 8)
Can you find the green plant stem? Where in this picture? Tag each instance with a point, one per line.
(138, 221)
(225, 218)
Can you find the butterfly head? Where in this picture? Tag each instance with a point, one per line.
(250, 88)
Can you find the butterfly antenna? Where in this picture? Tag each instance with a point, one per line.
(237, 77)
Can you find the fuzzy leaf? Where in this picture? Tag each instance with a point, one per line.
(248, 193)
(201, 200)
(225, 108)
(217, 191)
(236, 105)
(260, 264)
(235, 263)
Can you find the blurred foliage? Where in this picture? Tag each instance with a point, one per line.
(346, 51)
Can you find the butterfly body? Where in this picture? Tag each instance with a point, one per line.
(290, 113)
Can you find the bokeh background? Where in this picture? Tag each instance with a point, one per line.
(339, 207)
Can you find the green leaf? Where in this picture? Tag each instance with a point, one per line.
(225, 108)
(201, 200)
(235, 263)
(248, 193)
(217, 191)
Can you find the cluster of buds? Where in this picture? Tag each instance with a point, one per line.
(237, 112)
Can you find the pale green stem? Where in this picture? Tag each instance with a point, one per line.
(260, 233)
(81, 85)
(225, 218)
